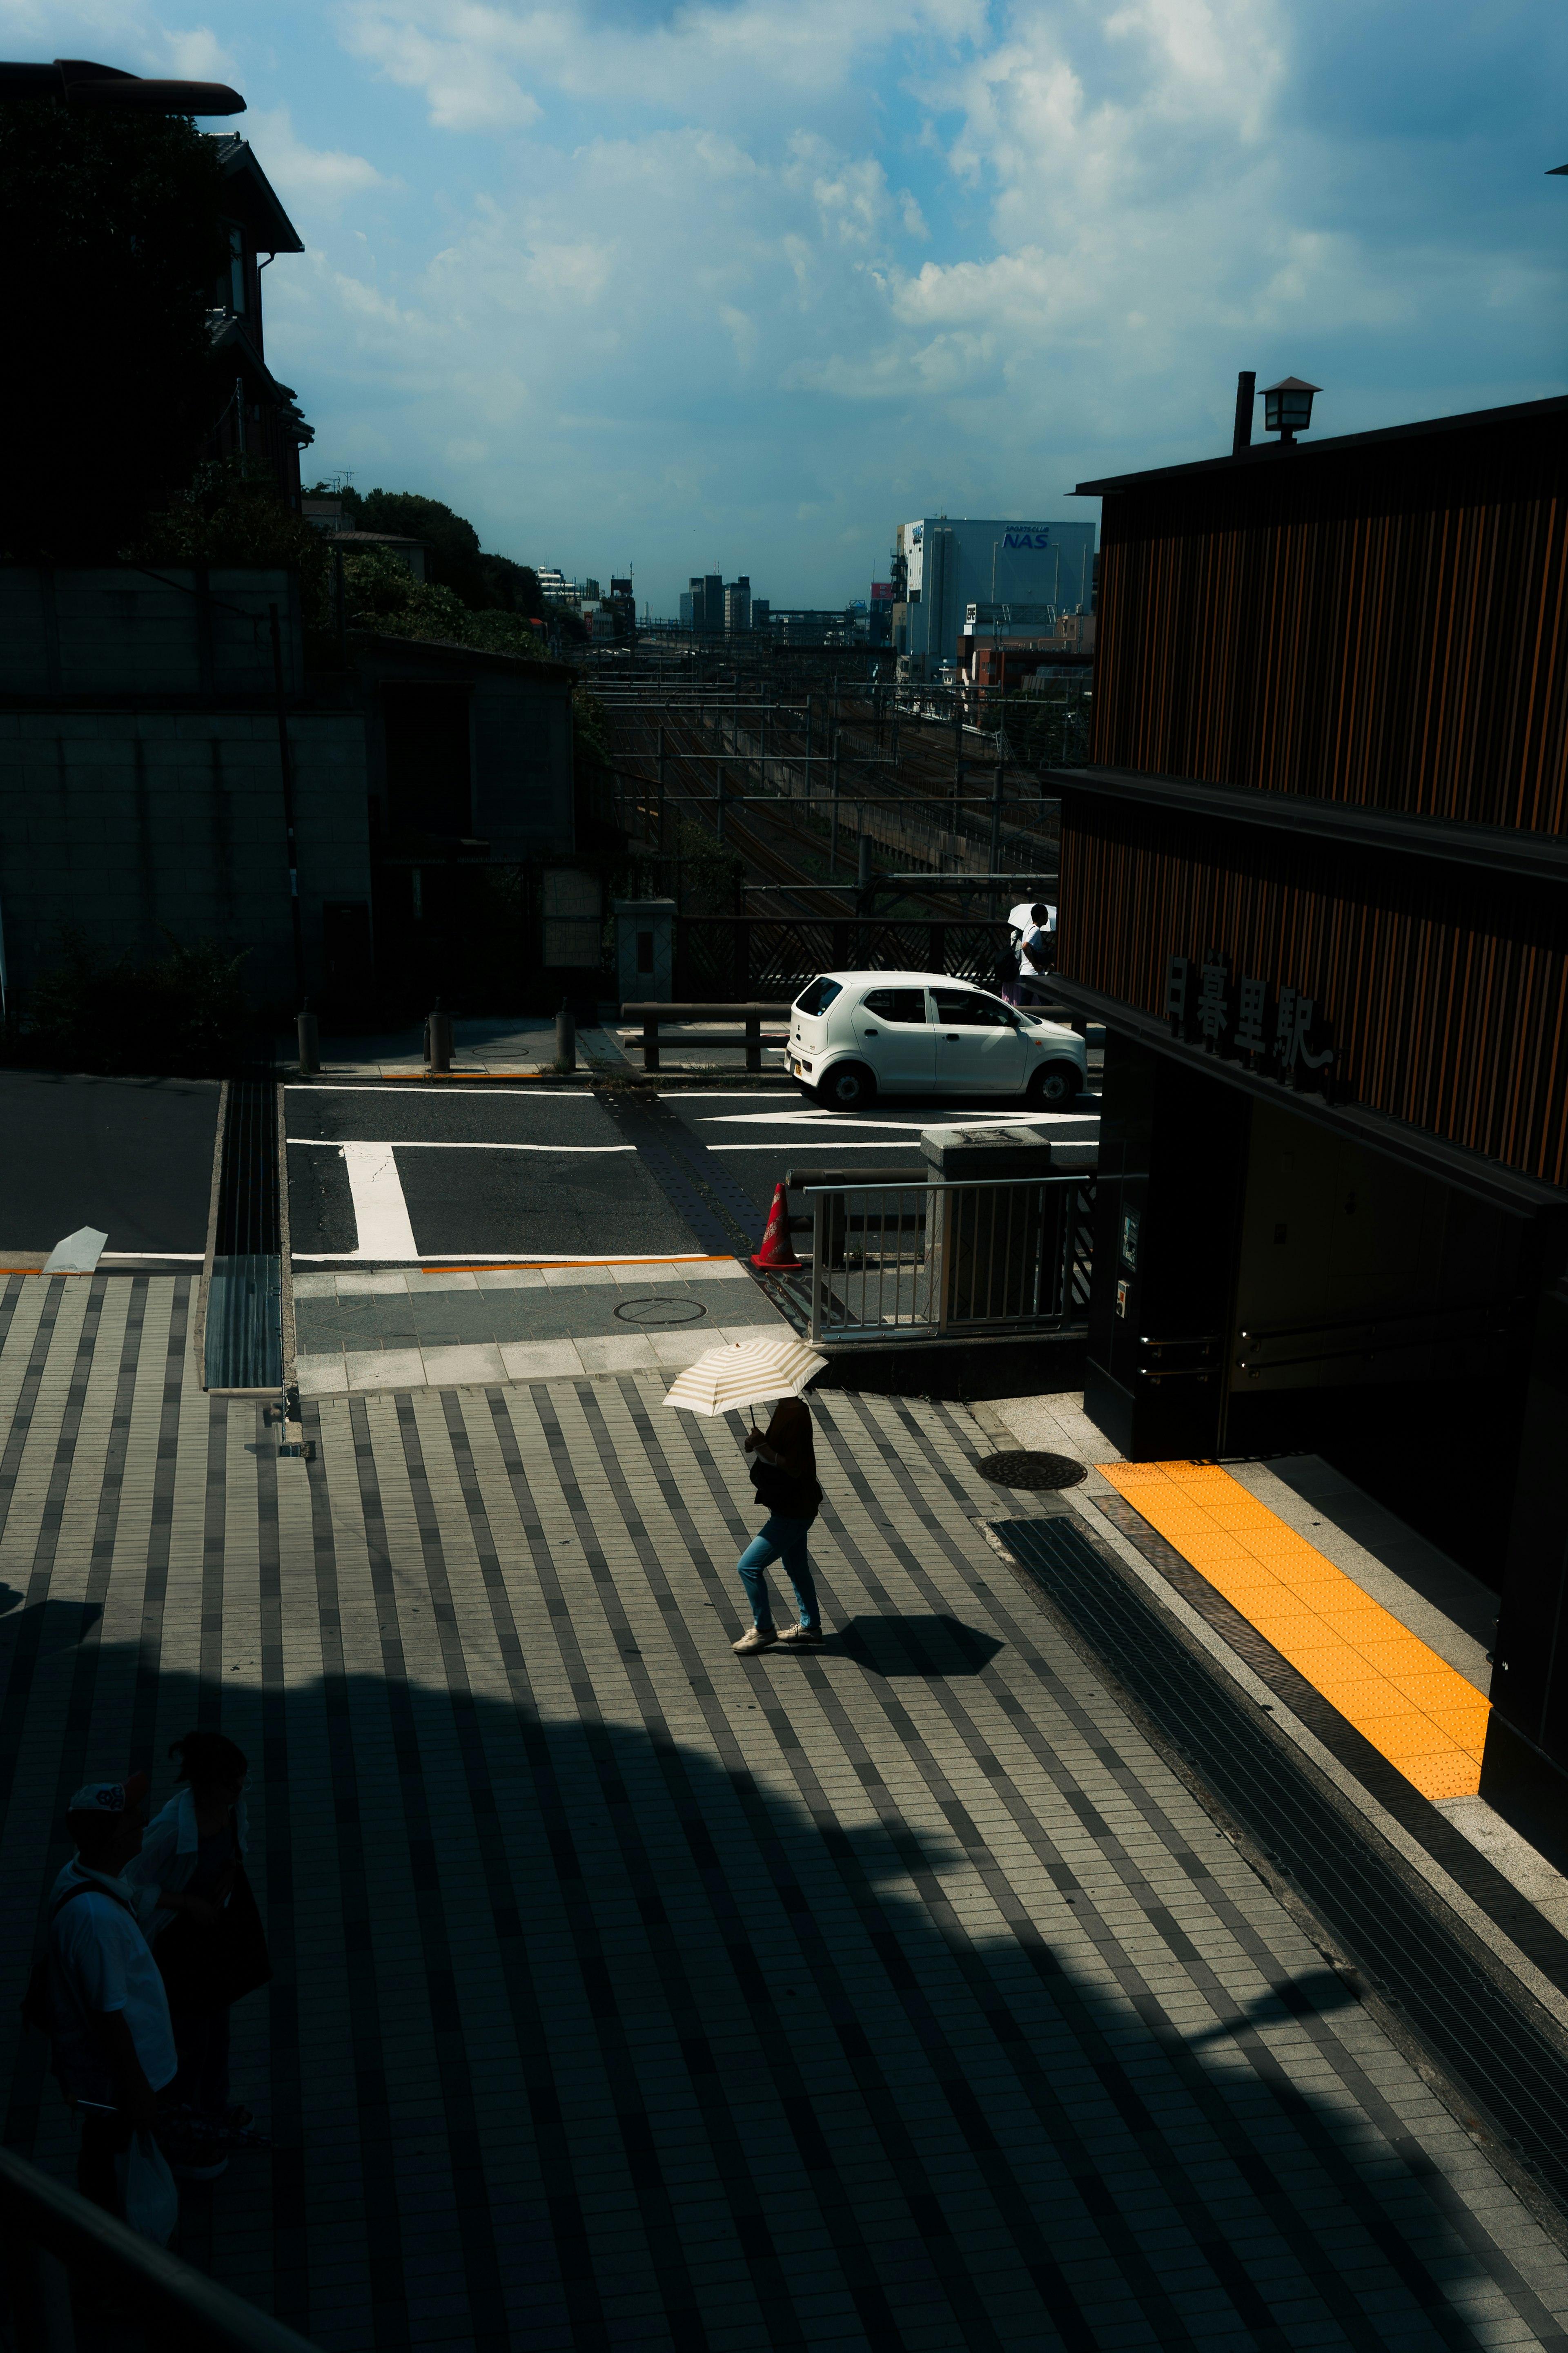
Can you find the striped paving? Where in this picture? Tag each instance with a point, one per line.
(1416, 1710)
(927, 2010)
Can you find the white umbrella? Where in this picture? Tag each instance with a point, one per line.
(744, 1372)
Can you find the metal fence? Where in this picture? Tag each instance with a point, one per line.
(753, 956)
(938, 1260)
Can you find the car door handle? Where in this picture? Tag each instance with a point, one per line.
(955, 1037)
(868, 1033)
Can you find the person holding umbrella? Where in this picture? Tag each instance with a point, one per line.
(744, 1373)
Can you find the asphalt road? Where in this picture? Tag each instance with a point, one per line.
(383, 1175)
(132, 1157)
(757, 1137)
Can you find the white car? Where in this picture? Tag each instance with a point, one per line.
(856, 1035)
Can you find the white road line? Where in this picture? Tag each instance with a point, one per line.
(775, 1143)
(482, 1262)
(439, 1144)
(381, 1213)
(488, 1094)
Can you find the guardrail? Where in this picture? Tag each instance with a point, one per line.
(938, 1260)
(52, 2235)
(752, 1017)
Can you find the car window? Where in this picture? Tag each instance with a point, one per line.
(817, 995)
(967, 1008)
(895, 1004)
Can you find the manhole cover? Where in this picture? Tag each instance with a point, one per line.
(1029, 1470)
(660, 1311)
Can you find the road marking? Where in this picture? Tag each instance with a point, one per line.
(772, 1145)
(443, 1262)
(439, 1144)
(481, 1094)
(381, 1213)
(1415, 1708)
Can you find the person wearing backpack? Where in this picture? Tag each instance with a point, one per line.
(103, 2001)
(784, 1476)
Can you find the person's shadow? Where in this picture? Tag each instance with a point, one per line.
(41, 1629)
(916, 1645)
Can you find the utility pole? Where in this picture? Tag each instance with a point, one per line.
(833, 758)
(718, 796)
(659, 770)
(996, 828)
(957, 756)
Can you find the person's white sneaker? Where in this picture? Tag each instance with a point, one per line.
(760, 1638)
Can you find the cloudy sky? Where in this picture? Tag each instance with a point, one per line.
(740, 283)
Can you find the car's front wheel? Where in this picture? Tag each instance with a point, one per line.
(848, 1086)
(1053, 1086)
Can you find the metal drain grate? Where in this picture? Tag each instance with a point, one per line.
(1025, 1467)
(244, 1319)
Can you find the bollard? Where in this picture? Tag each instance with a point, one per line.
(566, 1038)
(438, 1036)
(309, 1034)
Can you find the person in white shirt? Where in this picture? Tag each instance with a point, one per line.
(1038, 955)
(113, 2044)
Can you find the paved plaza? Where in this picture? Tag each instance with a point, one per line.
(931, 2010)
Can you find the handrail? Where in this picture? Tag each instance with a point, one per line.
(1376, 1317)
(69, 2227)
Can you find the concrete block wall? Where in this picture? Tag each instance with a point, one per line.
(128, 825)
(125, 630)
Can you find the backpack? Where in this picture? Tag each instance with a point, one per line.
(37, 2007)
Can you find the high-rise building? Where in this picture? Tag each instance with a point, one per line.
(738, 605)
(943, 565)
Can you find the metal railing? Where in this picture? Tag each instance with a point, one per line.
(938, 1260)
(54, 2238)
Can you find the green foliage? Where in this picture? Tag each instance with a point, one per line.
(184, 1013)
(232, 513)
(113, 246)
(381, 593)
(453, 558)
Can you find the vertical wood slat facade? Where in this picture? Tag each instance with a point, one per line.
(1448, 995)
(1384, 625)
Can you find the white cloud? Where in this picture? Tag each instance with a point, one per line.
(316, 180)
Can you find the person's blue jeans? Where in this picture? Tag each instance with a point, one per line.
(784, 1540)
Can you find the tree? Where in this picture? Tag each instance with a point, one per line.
(231, 513)
(485, 584)
(113, 246)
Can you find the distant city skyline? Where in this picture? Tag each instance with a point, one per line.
(733, 287)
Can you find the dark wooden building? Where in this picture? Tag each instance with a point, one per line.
(256, 416)
(1316, 885)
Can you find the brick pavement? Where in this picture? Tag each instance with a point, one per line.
(929, 2010)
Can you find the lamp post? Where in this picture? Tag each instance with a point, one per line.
(1288, 408)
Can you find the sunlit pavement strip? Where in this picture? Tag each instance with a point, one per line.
(1415, 1710)
(931, 2011)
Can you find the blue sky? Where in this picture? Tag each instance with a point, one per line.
(740, 285)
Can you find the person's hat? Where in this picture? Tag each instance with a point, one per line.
(110, 1797)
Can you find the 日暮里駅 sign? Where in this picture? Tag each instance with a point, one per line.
(1272, 1027)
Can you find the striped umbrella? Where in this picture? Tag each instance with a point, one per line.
(744, 1372)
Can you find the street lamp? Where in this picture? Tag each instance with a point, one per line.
(1288, 408)
(76, 81)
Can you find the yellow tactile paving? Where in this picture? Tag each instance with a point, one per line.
(1415, 1709)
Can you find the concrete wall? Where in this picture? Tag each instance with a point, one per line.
(129, 823)
(522, 765)
(127, 630)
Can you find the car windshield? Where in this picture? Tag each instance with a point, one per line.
(818, 994)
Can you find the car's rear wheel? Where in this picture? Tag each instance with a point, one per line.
(848, 1086)
(1055, 1084)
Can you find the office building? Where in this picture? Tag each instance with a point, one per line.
(943, 564)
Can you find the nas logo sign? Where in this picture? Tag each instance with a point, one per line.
(1027, 539)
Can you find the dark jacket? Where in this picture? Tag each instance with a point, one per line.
(790, 1486)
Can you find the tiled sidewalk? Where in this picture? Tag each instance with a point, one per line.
(389, 1330)
(929, 2011)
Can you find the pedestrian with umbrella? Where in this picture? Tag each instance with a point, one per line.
(747, 1373)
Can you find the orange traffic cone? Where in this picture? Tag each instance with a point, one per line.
(777, 1254)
